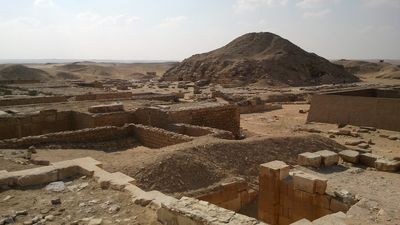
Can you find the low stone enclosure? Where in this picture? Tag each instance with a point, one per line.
(148, 136)
(87, 97)
(364, 107)
(283, 198)
(214, 115)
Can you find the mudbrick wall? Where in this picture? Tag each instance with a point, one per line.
(197, 131)
(33, 100)
(79, 136)
(355, 110)
(153, 137)
(148, 136)
(47, 121)
(224, 117)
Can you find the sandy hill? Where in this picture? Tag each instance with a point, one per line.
(20, 72)
(371, 69)
(260, 58)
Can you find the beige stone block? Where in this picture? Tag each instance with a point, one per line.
(321, 185)
(322, 201)
(328, 158)
(369, 159)
(309, 159)
(302, 222)
(387, 165)
(277, 169)
(350, 156)
(338, 206)
(38, 176)
(336, 219)
(234, 204)
(304, 182)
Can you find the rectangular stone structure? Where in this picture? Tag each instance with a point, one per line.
(270, 178)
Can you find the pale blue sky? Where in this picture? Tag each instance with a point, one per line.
(176, 29)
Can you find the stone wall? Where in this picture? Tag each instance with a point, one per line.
(104, 96)
(189, 211)
(80, 136)
(148, 136)
(355, 110)
(197, 131)
(259, 108)
(47, 121)
(33, 100)
(157, 138)
(224, 117)
(284, 199)
(233, 196)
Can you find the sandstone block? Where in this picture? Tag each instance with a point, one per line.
(387, 165)
(350, 156)
(369, 159)
(338, 206)
(106, 108)
(278, 169)
(309, 159)
(304, 182)
(328, 158)
(302, 222)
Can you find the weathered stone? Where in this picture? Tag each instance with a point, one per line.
(328, 158)
(304, 182)
(106, 108)
(57, 186)
(354, 142)
(387, 165)
(363, 145)
(369, 159)
(302, 222)
(55, 201)
(95, 222)
(309, 159)
(393, 137)
(350, 156)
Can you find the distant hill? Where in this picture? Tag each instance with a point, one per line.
(260, 58)
(371, 69)
(21, 72)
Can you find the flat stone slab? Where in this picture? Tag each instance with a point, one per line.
(328, 158)
(309, 183)
(309, 159)
(369, 159)
(387, 165)
(350, 156)
(106, 108)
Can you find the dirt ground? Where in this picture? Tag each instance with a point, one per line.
(81, 199)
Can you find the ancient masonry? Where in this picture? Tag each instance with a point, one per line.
(282, 198)
(365, 107)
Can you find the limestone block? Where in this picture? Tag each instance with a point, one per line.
(369, 159)
(338, 206)
(328, 158)
(320, 185)
(302, 222)
(350, 156)
(322, 201)
(309, 159)
(334, 219)
(276, 169)
(41, 175)
(106, 108)
(304, 182)
(387, 165)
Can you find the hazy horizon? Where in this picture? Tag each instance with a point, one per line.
(139, 30)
